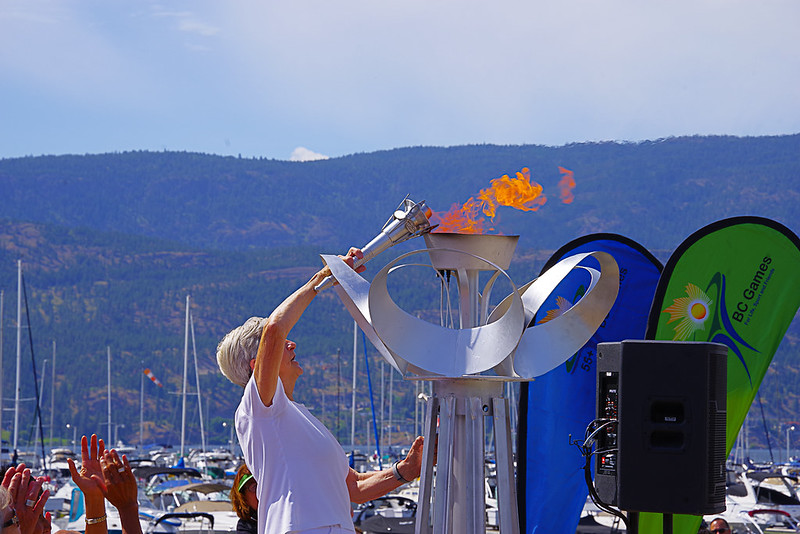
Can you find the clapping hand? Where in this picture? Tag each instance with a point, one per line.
(27, 498)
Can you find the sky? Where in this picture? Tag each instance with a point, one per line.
(302, 79)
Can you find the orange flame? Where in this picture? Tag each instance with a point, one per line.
(519, 193)
(516, 192)
(466, 219)
(566, 185)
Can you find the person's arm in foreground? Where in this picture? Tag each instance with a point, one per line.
(279, 324)
(90, 482)
(365, 487)
(121, 490)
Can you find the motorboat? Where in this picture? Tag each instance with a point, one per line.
(389, 514)
(753, 490)
(774, 521)
(76, 519)
(56, 463)
(157, 479)
(199, 507)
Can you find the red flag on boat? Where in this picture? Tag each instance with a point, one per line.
(152, 377)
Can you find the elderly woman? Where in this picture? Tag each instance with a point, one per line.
(245, 501)
(303, 479)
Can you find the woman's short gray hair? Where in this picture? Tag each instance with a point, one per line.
(237, 348)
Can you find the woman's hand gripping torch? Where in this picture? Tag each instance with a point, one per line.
(409, 220)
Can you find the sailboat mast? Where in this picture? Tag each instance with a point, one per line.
(19, 353)
(2, 303)
(39, 400)
(52, 395)
(353, 412)
(141, 409)
(108, 357)
(197, 387)
(185, 366)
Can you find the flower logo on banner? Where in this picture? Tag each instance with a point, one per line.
(562, 305)
(692, 311)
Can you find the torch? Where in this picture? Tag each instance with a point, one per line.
(410, 219)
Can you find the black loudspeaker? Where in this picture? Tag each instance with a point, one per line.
(666, 451)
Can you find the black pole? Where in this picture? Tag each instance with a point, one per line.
(35, 375)
(633, 520)
(667, 524)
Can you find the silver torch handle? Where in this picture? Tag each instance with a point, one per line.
(409, 220)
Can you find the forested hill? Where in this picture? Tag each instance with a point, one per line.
(112, 244)
(654, 192)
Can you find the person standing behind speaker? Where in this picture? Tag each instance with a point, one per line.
(719, 526)
(303, 480)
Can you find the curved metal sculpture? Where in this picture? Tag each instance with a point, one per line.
(503, 342)
(469, 364)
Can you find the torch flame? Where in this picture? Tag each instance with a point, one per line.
(518, 192)
(566, 185)
(466, 219)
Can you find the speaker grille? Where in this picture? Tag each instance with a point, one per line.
(716, 453)
(717, 417)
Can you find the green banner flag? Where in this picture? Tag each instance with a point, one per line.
(735, 282)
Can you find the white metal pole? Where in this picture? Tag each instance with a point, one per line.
(746, 436)
(53, 395)
(41, 397)
(141, 409)
(108, 352)
(391, 395)
(197, 388)
(19, 354)
(416, 408)
(185, 366)
(353, 412)
(383, 410)
(2, 316)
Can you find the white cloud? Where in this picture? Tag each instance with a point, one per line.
(187, 21)
(192, 25)
(301, 153)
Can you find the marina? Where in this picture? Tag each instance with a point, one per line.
(762, 497)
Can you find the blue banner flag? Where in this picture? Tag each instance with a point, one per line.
(551, 486)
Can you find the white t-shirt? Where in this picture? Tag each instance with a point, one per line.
(299, 466)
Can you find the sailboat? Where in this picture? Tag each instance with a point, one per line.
(212, 463)
(190, 327)
(15, 449)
